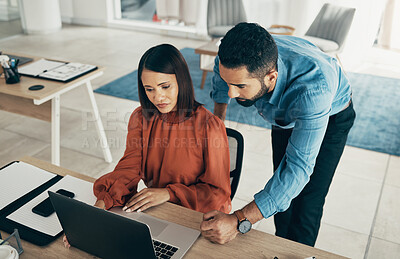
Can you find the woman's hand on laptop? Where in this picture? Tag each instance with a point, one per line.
(146, 198)
(65, 241)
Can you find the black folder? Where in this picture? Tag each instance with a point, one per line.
(27, 233)
(56, 70)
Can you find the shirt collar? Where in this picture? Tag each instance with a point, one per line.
(280, 85)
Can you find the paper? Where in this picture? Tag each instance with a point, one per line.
(67, 71)
(38, 67)
(18, 179)
(50, 225)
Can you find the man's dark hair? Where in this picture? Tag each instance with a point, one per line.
(249, 45)
(167, 59)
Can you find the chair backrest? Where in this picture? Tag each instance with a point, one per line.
(222, 15)
(236, 147)
(332, 23)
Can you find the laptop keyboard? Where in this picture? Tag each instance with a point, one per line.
(163, 250)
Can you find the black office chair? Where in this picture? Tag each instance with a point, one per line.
(236, 147)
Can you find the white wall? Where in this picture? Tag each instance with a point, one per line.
(363, 31)
(390, 25)
(40, 16)
(86, 12)
(296, 13)
(66, 10)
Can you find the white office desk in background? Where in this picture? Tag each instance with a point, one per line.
(44, 104)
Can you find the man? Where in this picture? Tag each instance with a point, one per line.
(306, 97)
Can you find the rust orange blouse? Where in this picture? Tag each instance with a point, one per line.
(189, 157)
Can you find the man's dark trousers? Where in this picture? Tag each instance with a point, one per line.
(301, 221)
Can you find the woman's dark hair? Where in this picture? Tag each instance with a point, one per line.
(167, 59)
(249, 45)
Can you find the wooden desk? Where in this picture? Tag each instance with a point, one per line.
(255, 244)
(44, 104)
(281, 29)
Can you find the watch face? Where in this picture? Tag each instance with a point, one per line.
(244, 226)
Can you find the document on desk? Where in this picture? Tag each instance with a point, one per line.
(56, 70)
(18, 179)
(38, 67)
(67, 71)
(50, 225)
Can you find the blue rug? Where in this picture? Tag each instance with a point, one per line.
(376, 101)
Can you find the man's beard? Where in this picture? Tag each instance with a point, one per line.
(260, 94)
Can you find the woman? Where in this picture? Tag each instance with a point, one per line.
(176, 146)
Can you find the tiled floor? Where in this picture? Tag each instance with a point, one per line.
(362, 211)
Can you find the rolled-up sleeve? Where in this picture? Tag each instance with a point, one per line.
(219, 92)
(312, 116)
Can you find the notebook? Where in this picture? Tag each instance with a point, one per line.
(56, 70)
(118, 234)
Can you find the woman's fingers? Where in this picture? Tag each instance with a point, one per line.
(135, 199)
(65, 241)
(138, 205)
(147, 198)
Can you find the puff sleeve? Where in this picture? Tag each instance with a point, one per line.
(114, 187)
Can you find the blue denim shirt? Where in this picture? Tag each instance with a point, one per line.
(310, 87)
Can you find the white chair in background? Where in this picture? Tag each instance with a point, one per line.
(222, 15)
(330, 28)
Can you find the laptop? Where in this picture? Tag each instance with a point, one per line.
(118, 234)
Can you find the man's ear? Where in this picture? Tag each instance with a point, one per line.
(271, 78)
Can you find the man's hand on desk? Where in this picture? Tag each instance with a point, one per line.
(99, 204)
(219, 227)
(146, 198)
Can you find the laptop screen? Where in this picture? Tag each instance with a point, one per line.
(100, 232)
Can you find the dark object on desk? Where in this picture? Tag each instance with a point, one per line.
(45, 208)
(10, 69)
(29, 234)
(11, 75)
(36, 87)
(92, 232)
(22, 60)
(130, 232)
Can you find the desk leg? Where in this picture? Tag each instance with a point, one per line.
(99, 124)
(203, 79)
(55, 130)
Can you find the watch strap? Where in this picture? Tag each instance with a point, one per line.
(240, 215)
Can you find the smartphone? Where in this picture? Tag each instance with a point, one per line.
(45, 208)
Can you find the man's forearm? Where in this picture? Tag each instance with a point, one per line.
(252, 213)
(220, 110)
